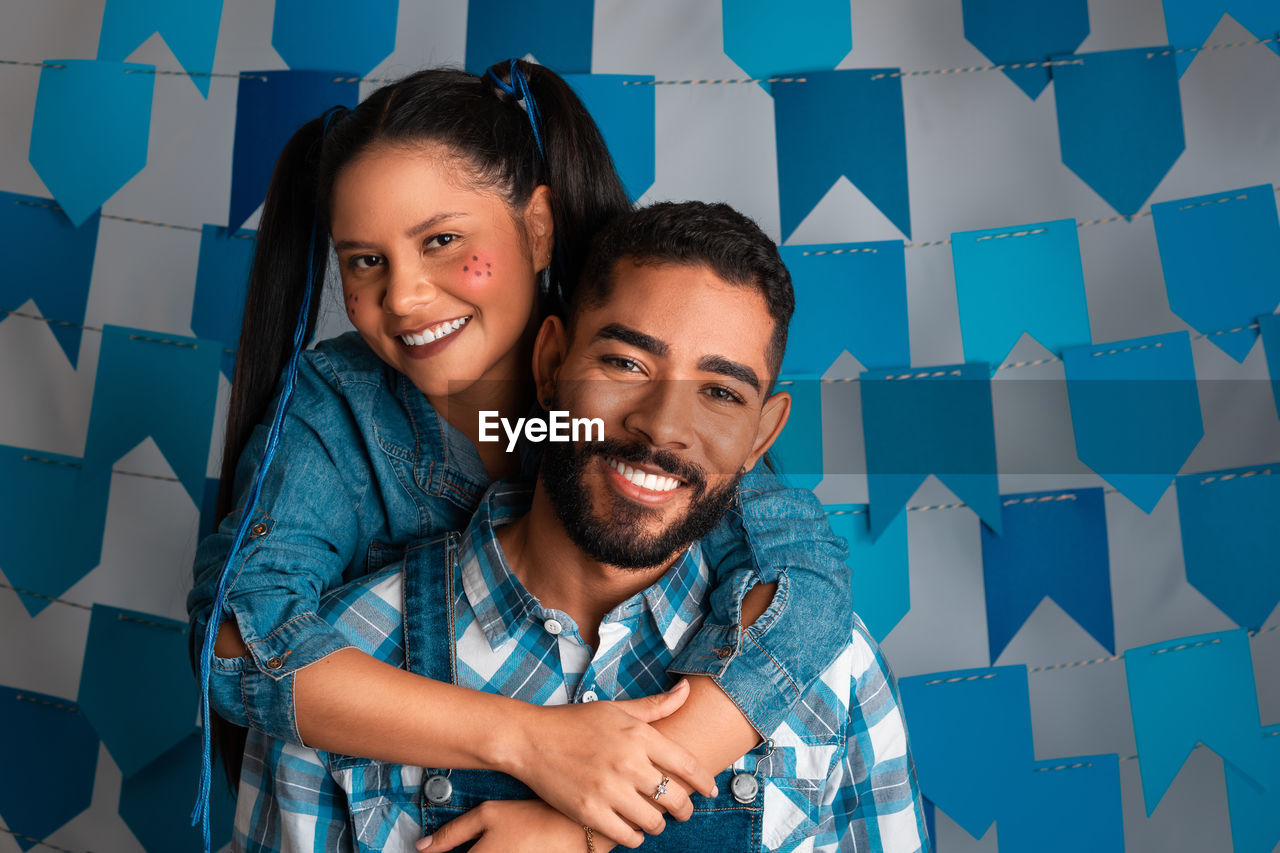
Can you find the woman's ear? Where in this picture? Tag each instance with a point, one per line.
(773, 417)
(540, 225)
(549, 350)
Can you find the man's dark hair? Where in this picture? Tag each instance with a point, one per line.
(692, 233)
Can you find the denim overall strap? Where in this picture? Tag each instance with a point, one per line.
(432, 585)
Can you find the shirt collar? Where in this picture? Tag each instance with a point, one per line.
(503, 606)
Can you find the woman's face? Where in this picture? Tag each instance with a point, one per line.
(439, 277)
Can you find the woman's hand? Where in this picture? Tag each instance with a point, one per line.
(600, 763)
(511, 826)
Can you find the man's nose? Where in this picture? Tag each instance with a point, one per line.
(409, 287)
(663, 416)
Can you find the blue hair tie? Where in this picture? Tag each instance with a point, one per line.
(518, 90)
(200, 812)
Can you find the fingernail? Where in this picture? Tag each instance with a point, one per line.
(679, 685)
(715, 791)
(424, 843)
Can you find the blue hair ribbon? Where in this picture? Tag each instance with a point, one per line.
(518, 90)
(200, 812)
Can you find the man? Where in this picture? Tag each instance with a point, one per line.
(587, 587)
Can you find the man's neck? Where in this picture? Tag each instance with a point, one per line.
(557, 572)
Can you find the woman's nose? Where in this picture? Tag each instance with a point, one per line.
(408, 288)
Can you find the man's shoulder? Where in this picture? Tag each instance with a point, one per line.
(369, 612)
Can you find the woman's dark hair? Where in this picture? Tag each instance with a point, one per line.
(491, 132)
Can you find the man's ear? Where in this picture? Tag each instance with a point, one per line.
(540, 226)
(773, 417)
(549, 350)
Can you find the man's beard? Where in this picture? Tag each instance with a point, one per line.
(619, 538)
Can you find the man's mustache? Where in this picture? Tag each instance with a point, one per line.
(637, 453)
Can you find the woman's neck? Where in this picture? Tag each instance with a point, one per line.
(510, 399)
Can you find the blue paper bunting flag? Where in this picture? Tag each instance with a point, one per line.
(623, 107)
(130, 655)
(1190, 22)
(1193, 690)
(320, 34)
(1269, 329)
(849, 297)
(797, 452)
(1073, 804)
(768, 38)
(929, 420)
(190, 29)
(35, 227)
(1230, 539)
(1220, 254)
(1135, 410)
(971, 739)
(1014, 32)
(41, 502)
(1255, 808)
(84, 170)
(511, 29)
(1052, 545)
(841, 123)
(880, 569)
(50, 756)
(155, 802)
(1119, 121)
(222, 278)
(1024, 278)
(271, 106)
(165, 387)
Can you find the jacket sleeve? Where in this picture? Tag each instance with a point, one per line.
(303, 535)
(773, 534)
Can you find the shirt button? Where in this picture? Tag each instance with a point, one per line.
(553, 626)
(258, 529)
(274, 663)
(589, 696)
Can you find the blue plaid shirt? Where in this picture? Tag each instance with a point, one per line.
(838, 774)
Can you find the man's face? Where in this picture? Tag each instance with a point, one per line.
(674, 364)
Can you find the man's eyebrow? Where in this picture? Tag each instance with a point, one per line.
(423, 226)
(732, 369)
(631, 337)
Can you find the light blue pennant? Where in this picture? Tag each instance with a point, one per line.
(1255, 806)
(929, 420)
(881, 576)
(1052, 545)
(971, 740)
(1119, 121)
(270, 108)
(1221, 259)
(850, 297)
(1269, 329)
(1193, 690)
(1022, 278)
(35, 227)
(162, 386)
(155, 802)
(507, 29)
(1190, 22)
(49, 754)
(623, 107)
(130, 655)
(190, 29)
(1231, 539)
(1073, 804)
(771, 38)
(222, 279)
(43, 502)
(797, 452)
(837, 123)
(81, 169)
(321, 34)
(1135, 410)
(1014, 32)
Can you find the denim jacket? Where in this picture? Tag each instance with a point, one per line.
(365, 465)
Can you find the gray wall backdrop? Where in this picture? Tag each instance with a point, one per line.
(980, 154)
